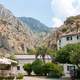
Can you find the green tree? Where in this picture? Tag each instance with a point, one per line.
(52, 70)
(64, 29)
(41, 51)
(51, 53)
(47, 67)
(27, 68)
(63, 55)
(75, 55)
(37, 67)
(31, 51)
(69, 54)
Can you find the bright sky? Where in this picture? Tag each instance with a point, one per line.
(50, 12)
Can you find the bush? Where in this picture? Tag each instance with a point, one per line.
(6, 78)
(52, 70)
(47, 67)
(20, 76)
(56, 71)
(37, 67)
(27, 68)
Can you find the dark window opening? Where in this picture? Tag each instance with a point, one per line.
(18, 67)
(59, 41)
(69, 38)
(69, 68)
(78, 36)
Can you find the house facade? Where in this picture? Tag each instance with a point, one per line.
(63, 40)
(7, 67)
(69, 38)
(68, 68)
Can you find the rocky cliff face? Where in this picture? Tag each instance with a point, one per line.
(71, 25)
(40, 30)
(37, 27)
(14, 36)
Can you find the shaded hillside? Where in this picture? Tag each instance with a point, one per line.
(36, 26)
(14, 36)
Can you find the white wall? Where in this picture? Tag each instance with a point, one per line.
(67, 72)
(64, 42)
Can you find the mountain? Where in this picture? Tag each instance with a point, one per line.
(36, 26)
(15, 37)
(71, 25)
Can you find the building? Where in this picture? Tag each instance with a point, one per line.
(23, 59)
(68, 68)
(7, 67)
(69, 38)
(63, 40)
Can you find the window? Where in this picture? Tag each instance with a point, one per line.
(18, 67)
(78, 36)
(59, 41)
(69, 68)
(69, 38)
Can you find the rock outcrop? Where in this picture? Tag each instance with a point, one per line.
(71, 25)
(14, 36)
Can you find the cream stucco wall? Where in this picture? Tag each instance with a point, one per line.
(64, 42)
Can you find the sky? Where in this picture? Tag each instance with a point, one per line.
(50, 12)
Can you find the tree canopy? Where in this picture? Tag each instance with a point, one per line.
(69, 54)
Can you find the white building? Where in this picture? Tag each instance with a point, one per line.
(68, 68)
(65, 39)
(69, 38)
(23, 59)
(7, 67)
